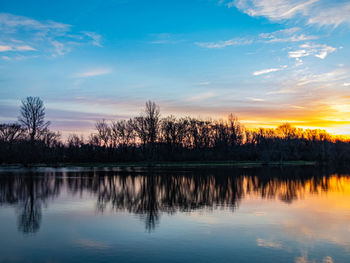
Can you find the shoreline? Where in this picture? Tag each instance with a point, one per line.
(194, 164)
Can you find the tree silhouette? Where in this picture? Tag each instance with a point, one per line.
(150, 138)
(33, 116)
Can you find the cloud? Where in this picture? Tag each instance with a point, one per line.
(201, 96)
(330, 78)
(48, 38)
(4, 48)
(281, 91)
(319, 51)
(325, 50)
(165, 38)
(203, 83)
(293, 34)
(17, 57)
(93, 73)
(10, 21)
(25, 48)
(226, 43)
(314, 12)
(334, 16)
(298, 53)
(269, 70)
(346, 84)
(294, 38)
(96, 38)
(272, 9)
(255, 99)
(59, 48)
(286, 35)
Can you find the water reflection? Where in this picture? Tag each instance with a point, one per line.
(149, 193)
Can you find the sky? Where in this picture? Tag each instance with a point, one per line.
(268, 62)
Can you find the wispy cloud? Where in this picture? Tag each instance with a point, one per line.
(5, 48)
(17, 57)
(293, 34)
(201, 96)
(49, 38)
(225, 43)
(337, 75)
(286, 35)
(281, 91)
(203, 83)
(25, 48)
(319, 51)
(96, 38)
(269, 70)
(9, 22)
(165, 38)
(59, 48)
(272, 9)
(93, 73)
(255, 99)
(331, 16)
(314, 12)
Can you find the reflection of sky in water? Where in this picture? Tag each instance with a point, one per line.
(194, 218)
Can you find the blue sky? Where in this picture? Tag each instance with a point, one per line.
(265, 61)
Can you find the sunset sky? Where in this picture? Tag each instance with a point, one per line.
(266, 61)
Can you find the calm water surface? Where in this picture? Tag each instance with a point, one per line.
(294, 214)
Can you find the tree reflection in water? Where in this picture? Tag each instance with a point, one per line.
(149, 193)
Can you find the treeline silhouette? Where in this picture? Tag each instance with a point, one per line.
(149, 193)
(150, 137)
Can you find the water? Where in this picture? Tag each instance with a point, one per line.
(293, 214)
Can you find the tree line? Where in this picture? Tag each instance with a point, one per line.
(150, 137)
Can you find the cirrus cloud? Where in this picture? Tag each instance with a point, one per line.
(269, 70)
(93, 73)
(48, 38)
(225, 43)
(314, 12)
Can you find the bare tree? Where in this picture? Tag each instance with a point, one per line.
(236, 133)
(130, 133)
(33, 116)
(104, 131)
(74, 140)
(139, 126)
(286, 131)
(152, 121)
(11, 132)
(50, 138)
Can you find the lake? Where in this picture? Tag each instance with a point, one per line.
(268, 214)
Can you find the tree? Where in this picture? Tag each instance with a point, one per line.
(11, 132)
(286, 131)
(33, 117)
(147, 125)
(236, 134)
(152, 120)
(104, 132)
(139, 126)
